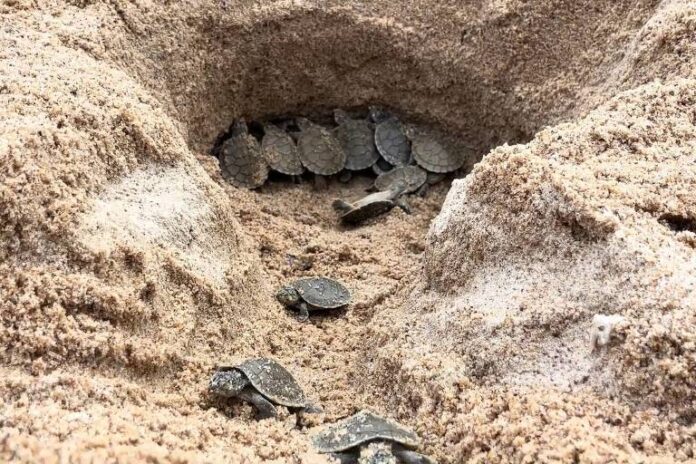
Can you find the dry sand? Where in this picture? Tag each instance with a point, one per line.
(129, 269)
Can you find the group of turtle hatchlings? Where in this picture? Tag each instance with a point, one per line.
(406, 158)
(364, 437)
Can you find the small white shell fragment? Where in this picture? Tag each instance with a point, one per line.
(602, 325)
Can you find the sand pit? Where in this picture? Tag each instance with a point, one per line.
(129, 268)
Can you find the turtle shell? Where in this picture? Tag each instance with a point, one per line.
(410, 176)
(280, 151)
(432, 155)
(242, 162)
(274, 382)
(319, 150)
(362, 428)
(321, 292)
(358, 142)
(392, 143)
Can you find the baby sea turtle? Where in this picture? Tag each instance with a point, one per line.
(371, 205)
(431, 154)
(241, 159)
(390, 138)
(412, 176)
(357, 139)
(313, 293)
(319, 150)
(262, 382)
(280, 151)
(344, 439)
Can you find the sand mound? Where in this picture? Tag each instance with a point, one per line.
(128, 269)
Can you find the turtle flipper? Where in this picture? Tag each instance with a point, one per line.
(345, 177)
(401, 203)
(312, 409)
(264, 408)
(423, 190)
(410, 457)
(304, 312)
(345, 458)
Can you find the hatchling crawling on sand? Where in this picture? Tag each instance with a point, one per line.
(312, 294)
(263, 383)
(372, 205)
(241, 159)
(346, 439)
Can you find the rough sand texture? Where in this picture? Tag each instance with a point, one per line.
(129, 269)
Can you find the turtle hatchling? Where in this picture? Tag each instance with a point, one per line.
(390, 138)
(319, 150)
(345, 439)
(371, 205)
(411, 176)
(262, 382)
(357, 139)
(313, 293)
(431, 155)
(280, 151)
(241, 160)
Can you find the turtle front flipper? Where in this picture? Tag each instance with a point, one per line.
(264, 408)
(345, 458)
(410, 457)
(403, 204)
(303, 312)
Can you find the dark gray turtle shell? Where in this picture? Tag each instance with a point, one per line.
(432, 155)
(280, 151)
(319, 150)
(392, 143)
(412, 177)
(274, 382)
(358, 141)
(242, 162)
(362, 428)
(322, 292)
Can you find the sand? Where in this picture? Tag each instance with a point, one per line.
(129, 269)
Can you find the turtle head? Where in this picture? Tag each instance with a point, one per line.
(378, 114)
(340, 116)
(227, 382)
(288, 296)
(239, 127)
(303, 123)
